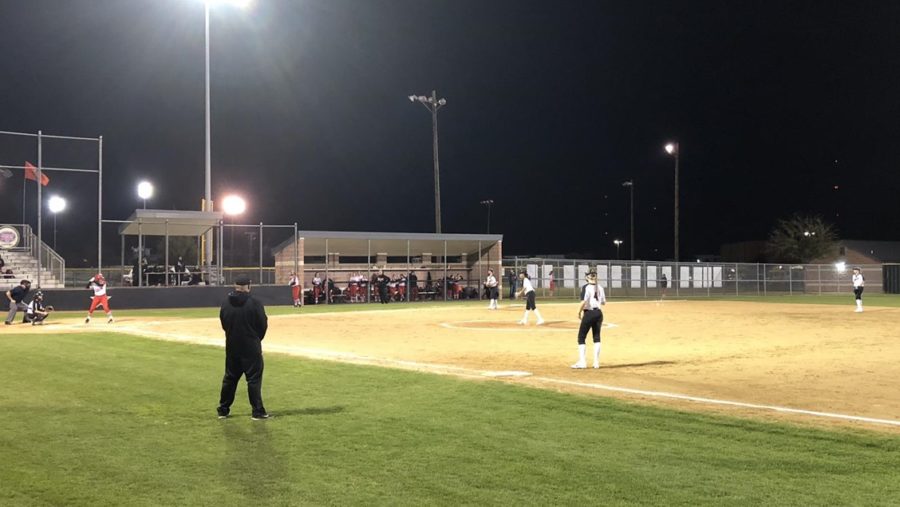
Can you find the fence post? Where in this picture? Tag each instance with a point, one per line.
(819, 270)
(167, 253)
(260, 253)
(368, 271)
(140, 264)
(408, 268)
(327, 255)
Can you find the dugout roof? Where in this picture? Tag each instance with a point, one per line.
(156, 222)
(360, 244)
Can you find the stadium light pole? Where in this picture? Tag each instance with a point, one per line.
(56, 204)
(674, 149)
(488, 203)
(145, 191)
(630, 185)
(433, 103)
(207, 194)
(233, 205)
(617, 242)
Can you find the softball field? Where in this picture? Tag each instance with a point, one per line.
(815, 364)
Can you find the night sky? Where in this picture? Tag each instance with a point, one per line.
(551, 106)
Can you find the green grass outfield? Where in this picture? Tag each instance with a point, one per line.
(110, 419)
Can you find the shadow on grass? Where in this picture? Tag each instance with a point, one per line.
(336, 409)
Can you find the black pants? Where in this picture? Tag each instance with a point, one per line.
(857, 291)
(591, 319)
(383, 293)
(235, 366)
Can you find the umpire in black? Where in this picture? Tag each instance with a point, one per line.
(244, 321)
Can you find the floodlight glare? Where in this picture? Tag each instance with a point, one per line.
(56, 204)
(670, 148)
(145, 190)
(241, 4)
(234, 205)
(840, 267)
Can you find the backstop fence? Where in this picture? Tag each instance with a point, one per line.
(564, 277)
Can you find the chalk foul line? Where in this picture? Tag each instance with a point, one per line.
(348, 357)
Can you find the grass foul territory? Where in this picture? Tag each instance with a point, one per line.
(109, 419)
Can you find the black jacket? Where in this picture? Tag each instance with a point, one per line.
(244, 322)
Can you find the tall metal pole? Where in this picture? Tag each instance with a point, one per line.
(39, 177)
(260, 253)
(100, 204)
(630, 185)
(296, 255)
(677, 157)
(488, 203)
(208, 186)
(437, 170)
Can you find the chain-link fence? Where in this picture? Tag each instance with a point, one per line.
(564, 277)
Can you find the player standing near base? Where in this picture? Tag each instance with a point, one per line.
(859, 284)
(490, 286)
(294, 284)
(528, 292)
(591, 318)
(98, 284)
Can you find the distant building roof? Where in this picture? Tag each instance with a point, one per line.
(392, 243)
(882, 251)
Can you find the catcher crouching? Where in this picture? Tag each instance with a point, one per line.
(37, 312)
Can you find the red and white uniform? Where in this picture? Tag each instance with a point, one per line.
(295, 288)
(100, 298)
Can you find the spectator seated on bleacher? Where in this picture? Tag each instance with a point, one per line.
(8, 273)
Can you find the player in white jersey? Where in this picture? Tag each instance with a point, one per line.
(98, 284)
(490, 287)
(591, 318)
(859, 284)
(528, 292)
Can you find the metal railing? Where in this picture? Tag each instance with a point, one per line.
(46, 258)
(646, 279)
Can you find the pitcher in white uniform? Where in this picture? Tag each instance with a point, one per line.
(528, 292)
(591, 317)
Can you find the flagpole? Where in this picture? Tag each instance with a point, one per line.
(24, 179)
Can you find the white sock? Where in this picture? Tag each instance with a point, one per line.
(538, 313)
(597, 352)
(525, 317)
(859, 303)
(581, 349)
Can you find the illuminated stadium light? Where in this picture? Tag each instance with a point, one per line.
(234, 205)
(840, 266)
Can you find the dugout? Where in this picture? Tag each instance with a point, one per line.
(438, 260)
(165, 223)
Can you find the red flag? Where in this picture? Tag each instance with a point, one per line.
(31, 174)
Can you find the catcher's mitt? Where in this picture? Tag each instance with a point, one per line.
(49, 308)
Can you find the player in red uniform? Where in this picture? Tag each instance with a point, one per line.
(294, 283)
(98, 284)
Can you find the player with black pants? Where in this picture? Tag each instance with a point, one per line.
(383, 281)
(244, 321)
(859, 285)
(591, 317)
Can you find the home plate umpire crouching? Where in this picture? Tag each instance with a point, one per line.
(244, 321)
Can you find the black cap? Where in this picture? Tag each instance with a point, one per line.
(242, 280)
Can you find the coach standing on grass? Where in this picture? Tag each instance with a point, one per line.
(244, 322)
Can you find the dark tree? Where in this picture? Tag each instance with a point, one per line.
(801, 238)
